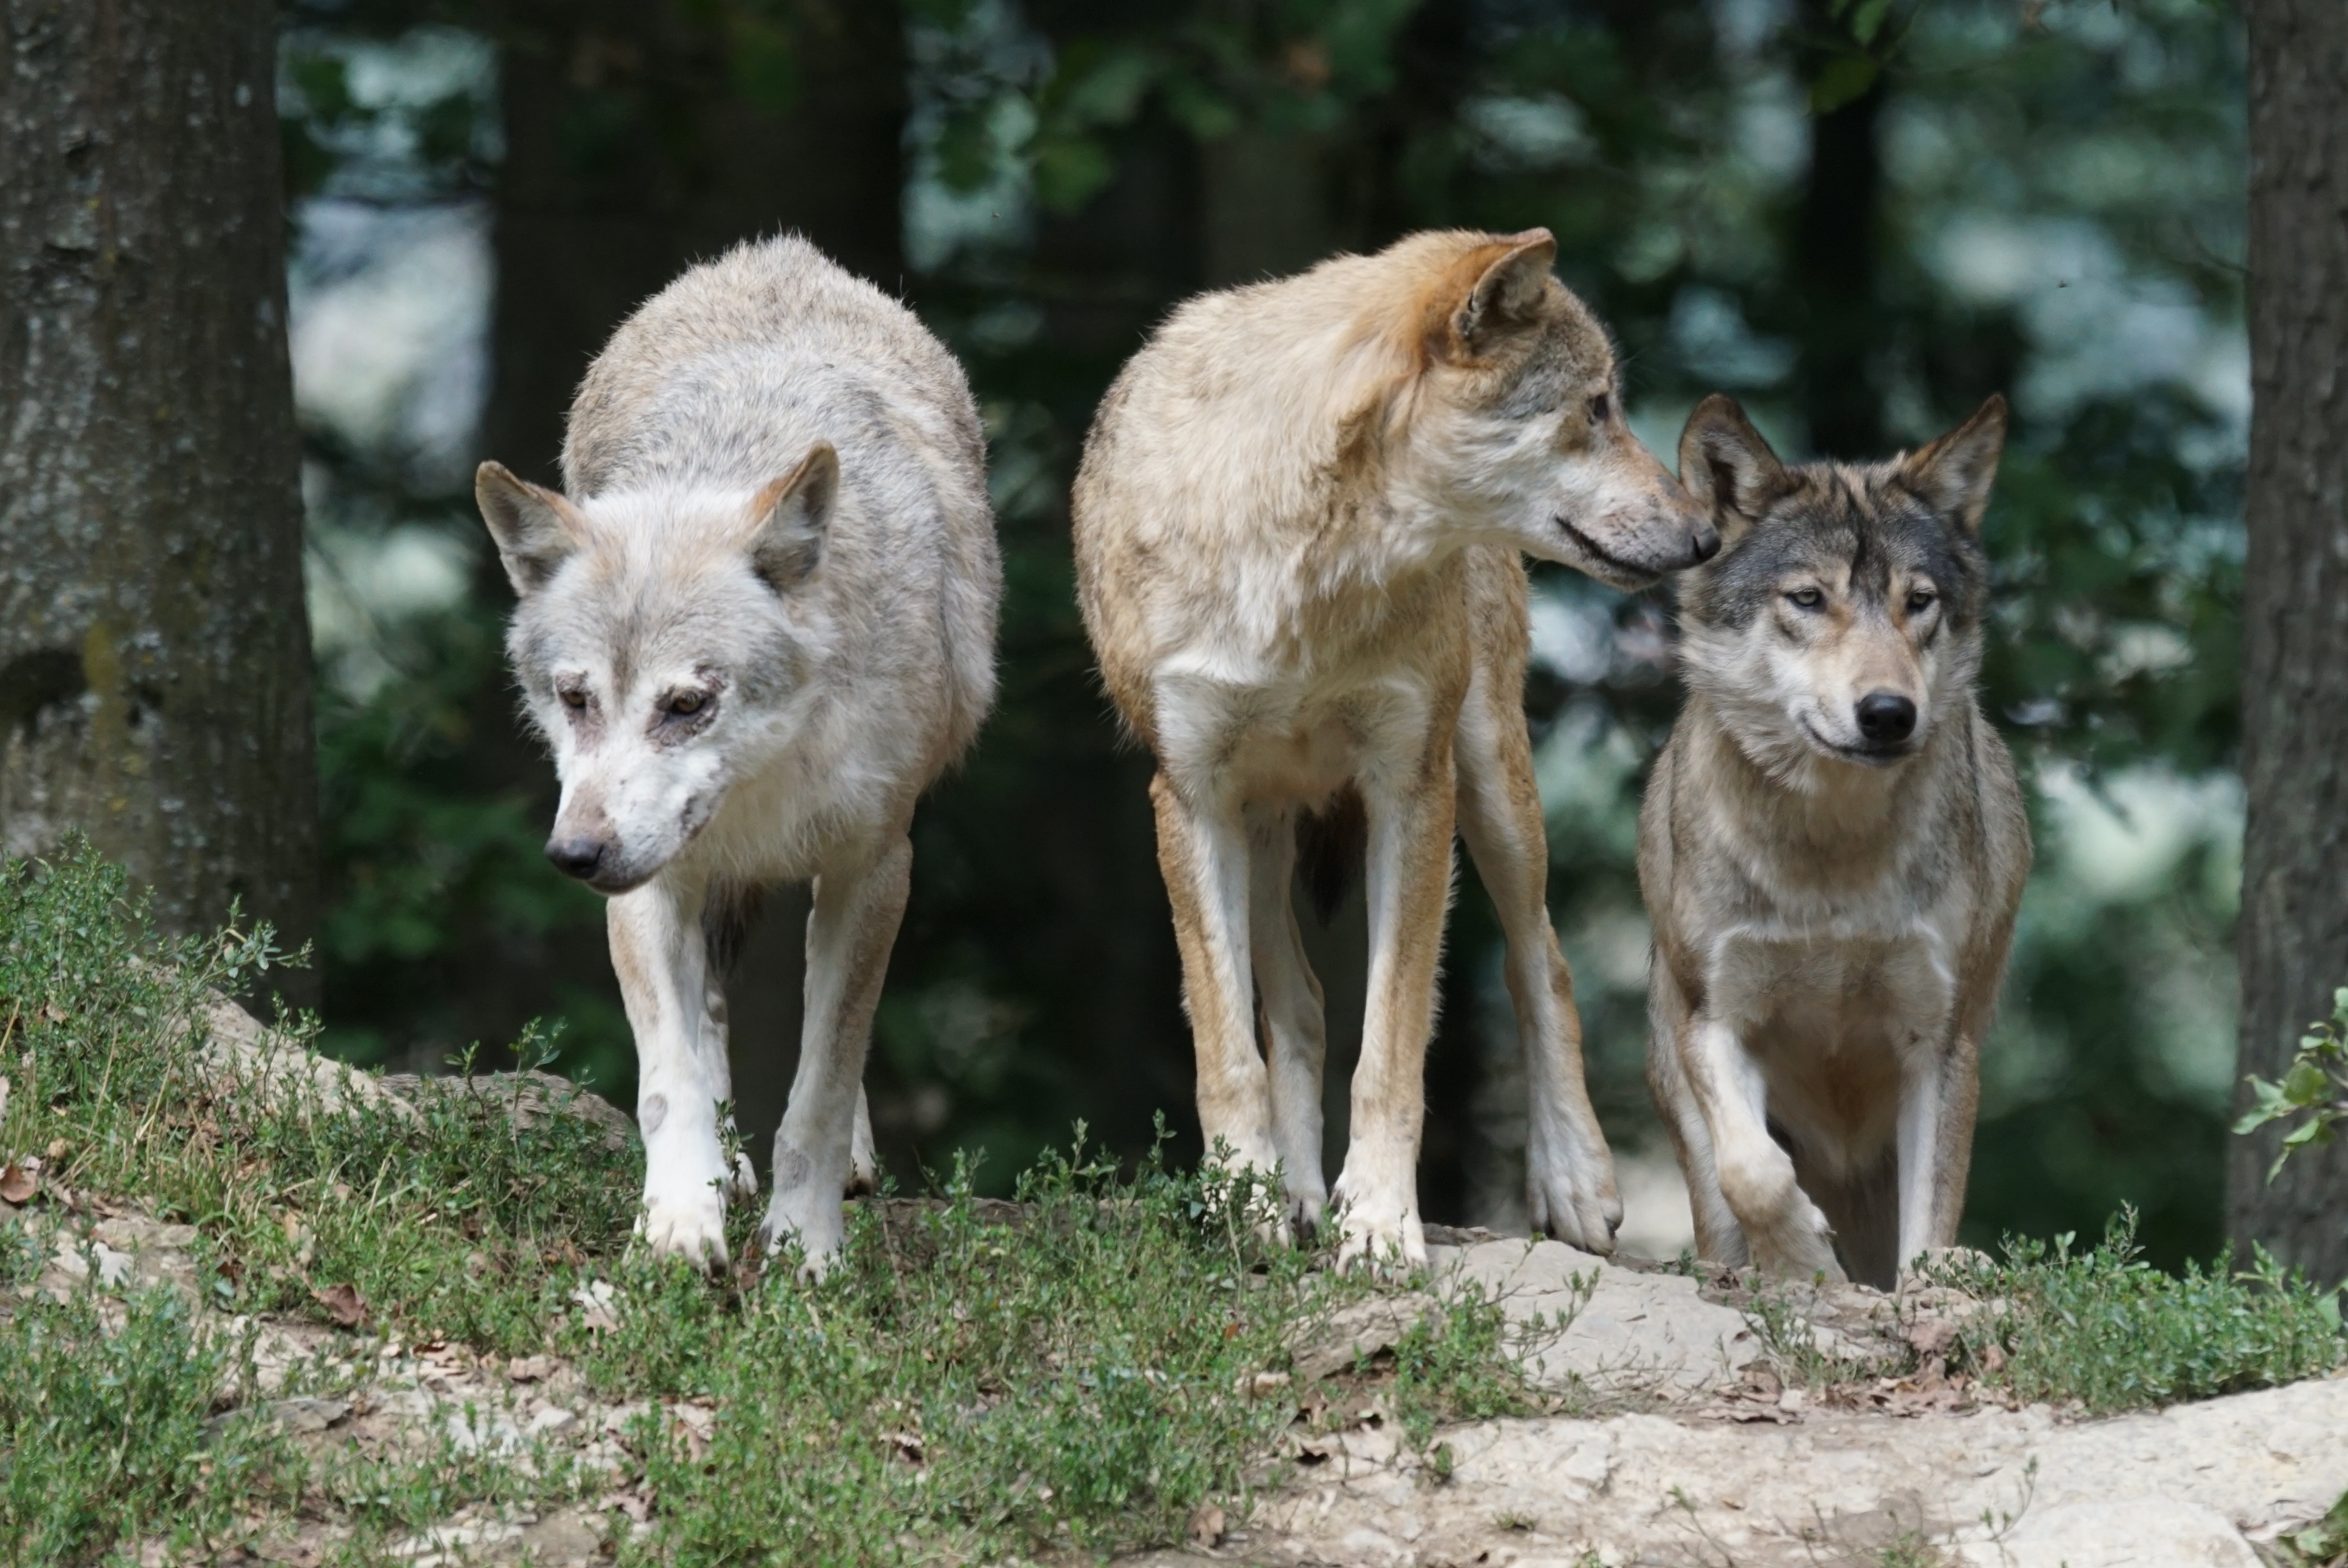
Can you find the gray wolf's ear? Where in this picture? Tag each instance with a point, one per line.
(1507, 285)
(536, 529)
(792, 515)
(1954, 473)
(1726, 466)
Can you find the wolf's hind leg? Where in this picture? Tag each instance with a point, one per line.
(1202, 851)
(1569, 1172)
(863, 1160)
(850, 931)
(1295, 1036)
(658, 953)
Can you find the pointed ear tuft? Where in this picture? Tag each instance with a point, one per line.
(1954, 473)
(535, 529)
(1726, 466)
(1508, 277)
(792, 516)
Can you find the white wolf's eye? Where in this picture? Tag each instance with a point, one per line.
(1807, 598)
(573, 696)
(685, 704)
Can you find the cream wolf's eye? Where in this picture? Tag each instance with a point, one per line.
(685, 704)
(1807, 598)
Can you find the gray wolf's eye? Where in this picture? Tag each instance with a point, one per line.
(1599, 407)
(1807, 598)
(1920, 601)
(685, 704)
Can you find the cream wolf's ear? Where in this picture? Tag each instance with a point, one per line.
(1726, 466)
(1516, 268)
(792, 515)
(1954, 473)
(536, 529)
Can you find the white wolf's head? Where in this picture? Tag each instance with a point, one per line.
(662, 643)
(1842, 620)
(1511, 431)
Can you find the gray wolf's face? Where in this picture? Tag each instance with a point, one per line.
(1843, 618)
(1520, 421)
(661, 644)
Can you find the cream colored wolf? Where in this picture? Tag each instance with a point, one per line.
(1297, 527)
(1832, 850)
(761, 622)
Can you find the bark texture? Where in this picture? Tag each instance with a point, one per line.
(2294, 929)
(154, 647)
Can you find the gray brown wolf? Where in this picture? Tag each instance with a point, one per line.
(1832, 849)
(757, 626)
(1297, 525)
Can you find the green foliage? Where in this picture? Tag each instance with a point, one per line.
(2104, 1329)
(108, 1434)
(2315, 1089)
(2325, 1543)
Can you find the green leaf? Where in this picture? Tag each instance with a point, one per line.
(1867, 19)
(1842, 79)
(2306, 1083)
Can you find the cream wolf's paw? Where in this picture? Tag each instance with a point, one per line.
(1254, 1156)
(809, 1219)
(1380, 1233)
(1571, 1195)
(691, 1226)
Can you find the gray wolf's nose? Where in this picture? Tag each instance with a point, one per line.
(1886, 718)
(1705, 544)
(575, 857)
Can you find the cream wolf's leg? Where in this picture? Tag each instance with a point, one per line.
(1409, 892)
(850, 931)
(1937, 1092)
(1569, 1174)
(1786, 1232)
(1296, 1038)
(1202, 851)
(681, 1075)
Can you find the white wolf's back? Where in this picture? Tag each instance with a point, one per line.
(725, 377)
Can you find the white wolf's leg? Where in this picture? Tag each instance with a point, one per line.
(1296, 1039)
(850, 931)
(863, 1160)
(1409, 892)
(681, 1072)
(1568, 1174)
(1202, 852)
(1787, 1233)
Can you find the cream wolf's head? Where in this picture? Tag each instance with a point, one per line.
(1512, 429)
(661, 643)
(1843, 618)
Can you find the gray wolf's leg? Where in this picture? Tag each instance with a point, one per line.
(1939, 1088)
(850, 931)
(1409, 893)
(1202, 850)
(1718, 1237)
(1787, 1233)
(1568, 1174)
(681, 1074)
(1297, 1040)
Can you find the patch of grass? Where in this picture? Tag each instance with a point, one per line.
(108, 1433)
(2107, 1330)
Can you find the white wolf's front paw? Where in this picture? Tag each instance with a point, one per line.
(1570, 1192)
(687, 1225)
(1379, 1231)
(812, 1219)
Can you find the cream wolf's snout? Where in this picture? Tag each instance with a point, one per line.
(756, 624)
(1832, 850)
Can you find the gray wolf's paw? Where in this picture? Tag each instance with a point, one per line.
(1571, 1195)
(691, 1226)
(1800, 1245)
(811, 1221)
(1379, 1232)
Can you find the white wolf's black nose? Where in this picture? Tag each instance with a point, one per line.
(575, 857)
(1886, 719)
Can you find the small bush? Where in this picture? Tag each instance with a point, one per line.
(2107, 1330)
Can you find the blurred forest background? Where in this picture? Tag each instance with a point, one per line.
(1858, 216)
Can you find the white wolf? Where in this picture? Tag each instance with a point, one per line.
(758, 625)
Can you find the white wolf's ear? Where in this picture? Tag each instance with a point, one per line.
(1954, 473)
(1506, 288)
(1727, 466)
(792, 515)
(536, 529)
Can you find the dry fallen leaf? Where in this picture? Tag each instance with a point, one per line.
(343, 1304)
(17, 1184)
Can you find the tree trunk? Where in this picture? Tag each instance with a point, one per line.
(2294, 929)
(1834, 277)
(154, 647)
